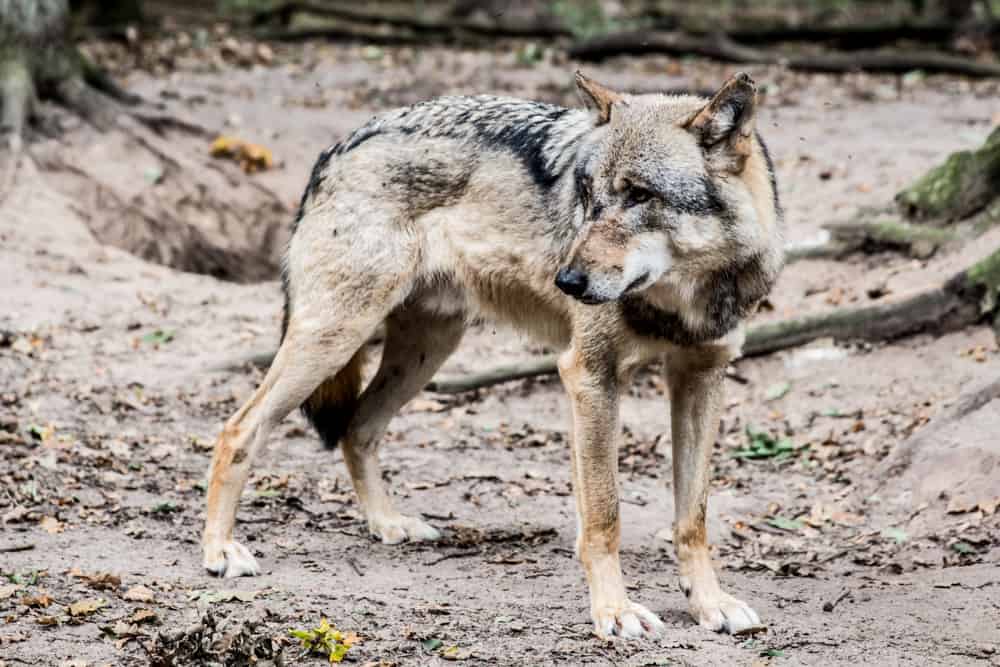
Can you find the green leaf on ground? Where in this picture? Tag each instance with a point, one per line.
(763, 445)
(164, 508)
(158, 337)
(777, 390)
(784, 523)
(963, 548)
(897, 534)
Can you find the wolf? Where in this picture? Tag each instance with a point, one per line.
(640, 227)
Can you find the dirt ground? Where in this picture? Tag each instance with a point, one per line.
(116, 374)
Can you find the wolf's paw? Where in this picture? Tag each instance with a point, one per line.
(230, 559)
(399, 528)
(629, 621)
(722, 612)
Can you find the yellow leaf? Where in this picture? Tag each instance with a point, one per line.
(224, 146)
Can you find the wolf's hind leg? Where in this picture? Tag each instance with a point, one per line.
(303, 361)
(417, 343)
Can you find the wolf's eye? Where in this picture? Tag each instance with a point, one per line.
(635, 195)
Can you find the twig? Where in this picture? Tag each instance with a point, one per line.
(830, 606)
(353, 562)
(457, 554)
(17, 547)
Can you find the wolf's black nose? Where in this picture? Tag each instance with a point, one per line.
(571, 281)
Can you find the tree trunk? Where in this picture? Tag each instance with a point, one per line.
(195, 215)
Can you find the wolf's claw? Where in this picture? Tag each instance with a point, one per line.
(631, 621)
(229, 560)
(400, 528)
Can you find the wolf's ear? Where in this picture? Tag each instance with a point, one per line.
(597, 97)
(726, 123)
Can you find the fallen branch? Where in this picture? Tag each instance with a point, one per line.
(721, 47)
(543, 365)
(965, 299)
(873, 235)
(843, 238)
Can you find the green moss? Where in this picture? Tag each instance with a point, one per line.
(938, 191)
(986, 274)
(965, 183)
(894, 232)
(986, 271)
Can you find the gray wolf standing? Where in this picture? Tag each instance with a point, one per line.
(644, 227)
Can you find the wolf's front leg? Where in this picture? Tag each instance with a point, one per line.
(592, 385)
(695, 378)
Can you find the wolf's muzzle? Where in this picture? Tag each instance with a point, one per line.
(571, 281)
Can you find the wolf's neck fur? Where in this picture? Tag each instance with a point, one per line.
(712, 308)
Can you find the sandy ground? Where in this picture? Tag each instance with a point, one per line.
(106, 425)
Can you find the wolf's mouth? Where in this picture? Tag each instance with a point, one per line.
(635, 283)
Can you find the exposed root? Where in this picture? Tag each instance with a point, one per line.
(92, 105)
(97, 78)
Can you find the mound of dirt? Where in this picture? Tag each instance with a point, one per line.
(953, 465)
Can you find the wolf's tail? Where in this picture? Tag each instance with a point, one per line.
(332, 406)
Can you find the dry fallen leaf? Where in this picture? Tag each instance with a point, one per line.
(989, 506)
(142, 616)
(123, 629)
(139, 594)
(37, 601)
(99, 580)
(427, 405)
(85, 607)
(15, 515)
(960, 506)
(8, 591)
(51, 525)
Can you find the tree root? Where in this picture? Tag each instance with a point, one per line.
(721, 47)
(967, 298)
(386, 23)
(843, 238)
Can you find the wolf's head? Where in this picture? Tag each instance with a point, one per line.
(671, 191)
